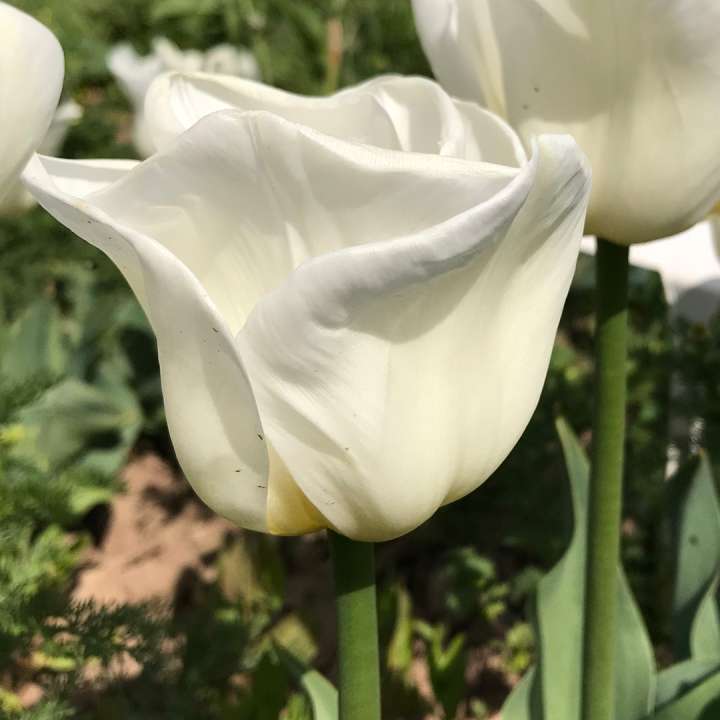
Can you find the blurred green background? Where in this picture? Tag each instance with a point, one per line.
(80, 396)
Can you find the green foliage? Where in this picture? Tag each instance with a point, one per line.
(446, 659)
(323, 696)
(702, 702)
(288, 38)
(687, 690)
(519, 647)
(298, 708)
(696, 517)
(552, 688)
(48, 710)
(472, 586)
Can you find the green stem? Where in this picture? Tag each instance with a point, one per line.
(606, 482)
(358, 653)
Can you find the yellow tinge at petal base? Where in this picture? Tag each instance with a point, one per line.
(289, 512)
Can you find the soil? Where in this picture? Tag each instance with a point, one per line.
(156, 534)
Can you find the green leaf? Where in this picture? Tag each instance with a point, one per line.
(34, 344)
(400, 652)
(323, 695)
(635, 677)
(680, 678)
(697, 537)
(695, 610)
(298, 708)
(705, 630)
(74, 418)
(83, 498)
(523, 701)
(447, 662)
(700, 703)
(559, 625)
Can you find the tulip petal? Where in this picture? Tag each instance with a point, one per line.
(450, 34)
(394, 377)
(82, 177)
(133, 72)
(636, 83)
(384, 284)
(392, 112)
(78, 178)
(210, 409)
(243, 199)
(31, 76)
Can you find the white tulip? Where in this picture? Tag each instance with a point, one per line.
(135, 73)
(31, 77)
(17, 199)
(637, 83)
(350, 335)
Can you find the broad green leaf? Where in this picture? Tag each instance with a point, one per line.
(697, 537)
(523, 702)
(705, 631)
(34, 344)
(559, 625)
(635, 677)
(696, 617)
(101, 422)
(323, 696)
(700, 703)
(680, 678)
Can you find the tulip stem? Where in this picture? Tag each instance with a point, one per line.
(606, 482)
(358, 653)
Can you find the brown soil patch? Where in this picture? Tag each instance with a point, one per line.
(153, 537)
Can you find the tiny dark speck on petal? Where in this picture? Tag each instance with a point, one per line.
(238, 470)
(536, 89)
(260, 436)
(262, 486)
(525, 107)
(215, 329)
